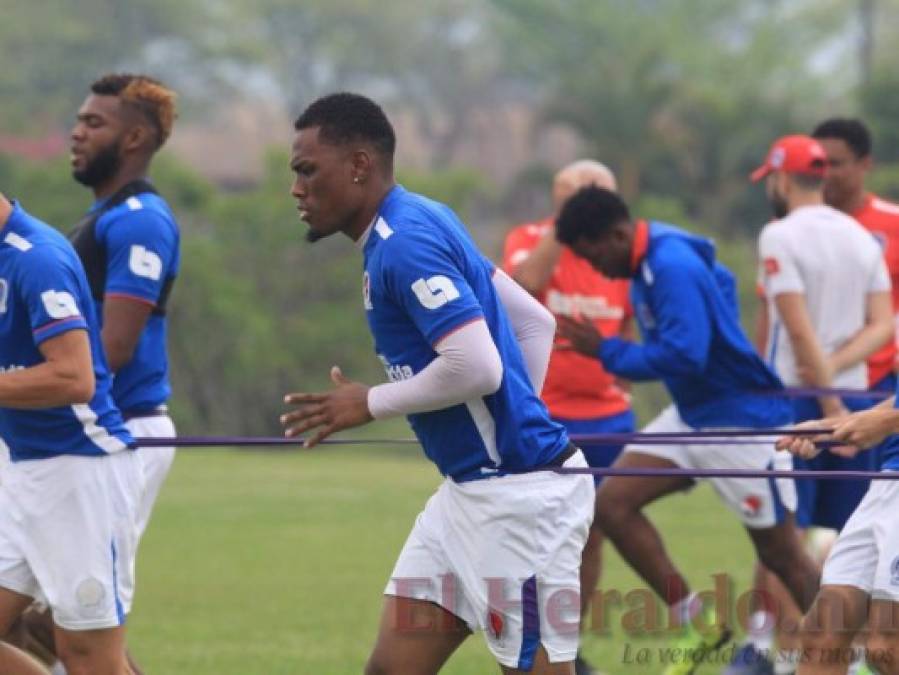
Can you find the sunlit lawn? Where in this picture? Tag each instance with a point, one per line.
(267, 563)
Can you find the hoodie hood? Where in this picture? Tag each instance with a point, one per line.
(705, 249)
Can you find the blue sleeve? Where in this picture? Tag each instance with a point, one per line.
(48, 287)
(682, 326)
(424, 276)
(141, 253)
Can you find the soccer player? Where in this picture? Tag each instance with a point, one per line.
(859, 582)
(68, 497)
(580, 394)
(685, 305)
(847, 143)
(129, 245)
(498, 547)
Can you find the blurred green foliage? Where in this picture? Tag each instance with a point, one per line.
(680, 97)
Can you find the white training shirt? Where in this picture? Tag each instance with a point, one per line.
(835, 262)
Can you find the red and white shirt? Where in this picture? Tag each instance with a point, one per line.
(577, 386)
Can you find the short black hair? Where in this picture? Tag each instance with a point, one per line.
(345, 118)
(850, 130)
(590, 213)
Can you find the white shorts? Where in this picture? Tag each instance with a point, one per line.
(503, 554)
(866, 554)
(68, 535)
(156, 462)
(758, 502)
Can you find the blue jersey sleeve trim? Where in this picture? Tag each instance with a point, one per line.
(50, 330)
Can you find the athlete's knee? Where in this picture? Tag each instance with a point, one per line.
(380, 665)
(611, 508)
(823, 639)
(882, 649)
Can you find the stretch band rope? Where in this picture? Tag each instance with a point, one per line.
(722, 437)
(817, 392)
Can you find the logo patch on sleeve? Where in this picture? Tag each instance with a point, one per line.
(771, 266)
(435, 292)
(59, 304)
(145, 263)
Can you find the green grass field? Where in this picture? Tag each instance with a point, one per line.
(268, 563)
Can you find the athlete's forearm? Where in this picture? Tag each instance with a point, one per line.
(535, 271)
(468, 367)
(46, 385)
(877, 331)
(533, 324)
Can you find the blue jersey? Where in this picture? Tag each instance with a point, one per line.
(140, 240)
(44, 293)
(888, 451)
(686, 306)
(423, 279)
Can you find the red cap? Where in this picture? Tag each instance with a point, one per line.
(793, 154)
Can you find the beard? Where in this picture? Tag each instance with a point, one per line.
(101, 168)
(778, 205)
(312, 236)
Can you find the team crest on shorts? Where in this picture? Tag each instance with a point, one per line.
(91, 596)
(751, 506)
(495, 623)
(894, 572)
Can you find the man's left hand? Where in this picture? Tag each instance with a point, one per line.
(343, 407)
(581, 334)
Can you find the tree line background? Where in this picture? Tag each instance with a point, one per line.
(680, 97)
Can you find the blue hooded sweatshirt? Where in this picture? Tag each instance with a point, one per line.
(685, 303)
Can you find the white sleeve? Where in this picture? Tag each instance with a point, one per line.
(534, 325)
(780, 269)
(468, 366)
(880, 279)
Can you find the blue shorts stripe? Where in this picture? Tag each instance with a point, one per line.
(530, 624)
(119, 609)
(780, 511)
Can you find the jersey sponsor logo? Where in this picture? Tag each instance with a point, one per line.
(4, 295)
(396, 372)
(59, 304)
(588, 306)
(771, 266)
(366, 291)
(145, 263)
(435, 292)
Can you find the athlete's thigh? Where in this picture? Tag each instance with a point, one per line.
(415, 637)
(837, 610)
(638, 491)
(542, 666)
(12, 605)
(883, 628)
